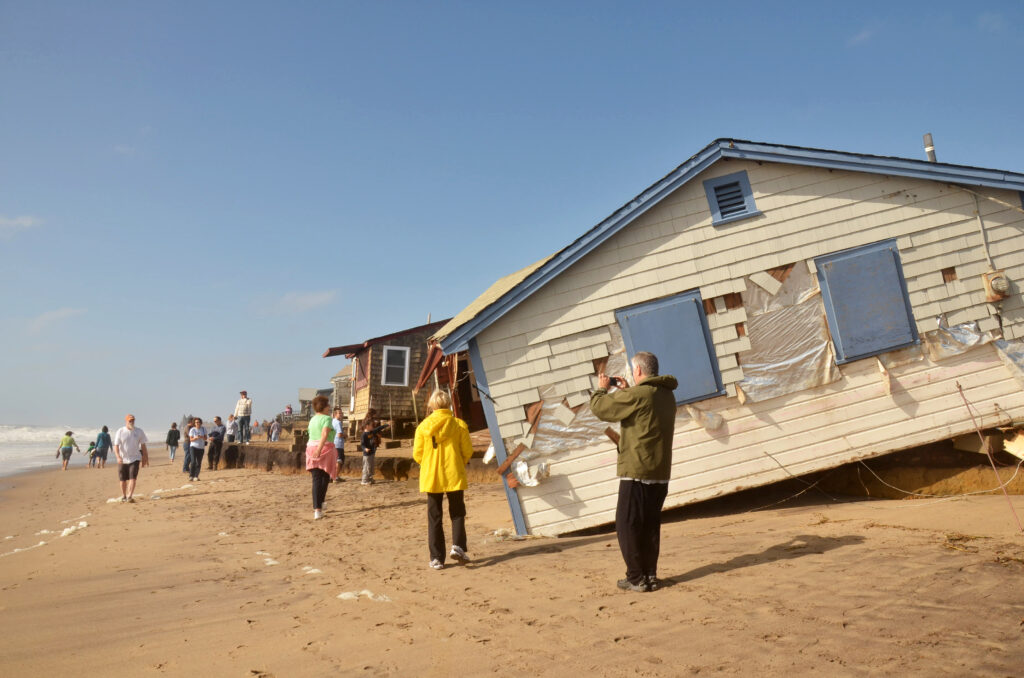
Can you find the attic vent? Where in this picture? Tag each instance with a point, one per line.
(730, 198)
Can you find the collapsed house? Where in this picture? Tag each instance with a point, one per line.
(817, 307)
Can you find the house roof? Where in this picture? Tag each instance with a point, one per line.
(351, 349)
(345, 371)
(510, 291)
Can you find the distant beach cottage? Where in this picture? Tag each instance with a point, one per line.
(384, 371)
(817, 307)
(342, 381)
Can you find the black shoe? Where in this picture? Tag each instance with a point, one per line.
(652, 582)
(627, 585)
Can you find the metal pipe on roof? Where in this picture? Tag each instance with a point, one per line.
(929, 147)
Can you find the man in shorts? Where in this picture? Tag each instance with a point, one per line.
(130, 450)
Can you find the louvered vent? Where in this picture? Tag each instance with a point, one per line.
(730, 199)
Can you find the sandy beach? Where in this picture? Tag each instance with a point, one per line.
(231, 577)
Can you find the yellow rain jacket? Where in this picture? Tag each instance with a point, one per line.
(442, 449)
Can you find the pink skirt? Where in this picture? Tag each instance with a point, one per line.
(328, 461)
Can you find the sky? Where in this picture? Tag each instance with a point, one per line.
(201, 197)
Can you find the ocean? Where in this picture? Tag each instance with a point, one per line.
(30, 448)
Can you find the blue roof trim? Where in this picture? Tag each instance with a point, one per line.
(717, 150)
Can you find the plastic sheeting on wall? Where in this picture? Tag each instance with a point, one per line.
(948, 341)
(1012, 354)
(790, 349)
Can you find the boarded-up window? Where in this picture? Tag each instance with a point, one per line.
(396, 366)
(676, 331)
(361, 364)
(866, 301)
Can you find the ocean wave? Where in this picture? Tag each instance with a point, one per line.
(44, 434)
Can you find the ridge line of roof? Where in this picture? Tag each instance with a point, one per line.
(456, 338)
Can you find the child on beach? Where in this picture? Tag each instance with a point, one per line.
(370, 441)
(92, 454)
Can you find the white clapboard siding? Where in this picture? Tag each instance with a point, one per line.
(819, 429)
(548, 342)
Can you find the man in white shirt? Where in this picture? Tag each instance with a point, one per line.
(130, 450)
(243, 412)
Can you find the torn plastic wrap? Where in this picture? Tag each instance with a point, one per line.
(531, 477)
(554, 435)
(946, 342)
(1012, 354)
(790, 348)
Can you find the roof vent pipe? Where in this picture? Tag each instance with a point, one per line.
(929, 147)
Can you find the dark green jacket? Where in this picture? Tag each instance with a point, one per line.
(647, 413)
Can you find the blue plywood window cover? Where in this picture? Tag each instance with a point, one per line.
(730, 198)
(675, 329)
(866, 301)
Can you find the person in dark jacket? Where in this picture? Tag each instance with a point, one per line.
(173, 436)
(646, 413)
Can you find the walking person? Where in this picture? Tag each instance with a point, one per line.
(243, 413)
(67, 444)
(173, 436)
(321, 459)
(197, 445)
(275, 431)
(130, 451)
(646, 412)
(338, 424)
(216, 442)
(103, 445)
(442, 449)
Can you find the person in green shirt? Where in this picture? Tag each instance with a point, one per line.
(321, 457)
(64, 449)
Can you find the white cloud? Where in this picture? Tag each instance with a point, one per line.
(11, 225)
(300, 302)
(991, 22)
(861, 37)
(46, 320)
(125, 150)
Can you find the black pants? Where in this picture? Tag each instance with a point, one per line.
(638, 525)
(196, 462)
(214, 454)
(321, 479)
(435, 526)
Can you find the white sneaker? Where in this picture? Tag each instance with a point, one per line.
(458, 554)
(436, 564)
(317, 514)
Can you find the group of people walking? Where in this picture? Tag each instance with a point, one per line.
(97, 451)
(442, 448)
(645, 411)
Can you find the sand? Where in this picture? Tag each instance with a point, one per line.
(231, 577)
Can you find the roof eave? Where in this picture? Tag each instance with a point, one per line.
(459, 338)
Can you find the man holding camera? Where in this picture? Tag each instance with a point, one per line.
(647, 413)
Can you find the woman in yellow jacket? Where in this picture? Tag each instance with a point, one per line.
(442, 449)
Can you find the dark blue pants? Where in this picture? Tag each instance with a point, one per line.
(196, 462)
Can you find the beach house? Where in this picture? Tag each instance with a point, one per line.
(817, 306)
(384, 372)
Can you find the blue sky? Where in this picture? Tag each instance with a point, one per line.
(198, 197)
